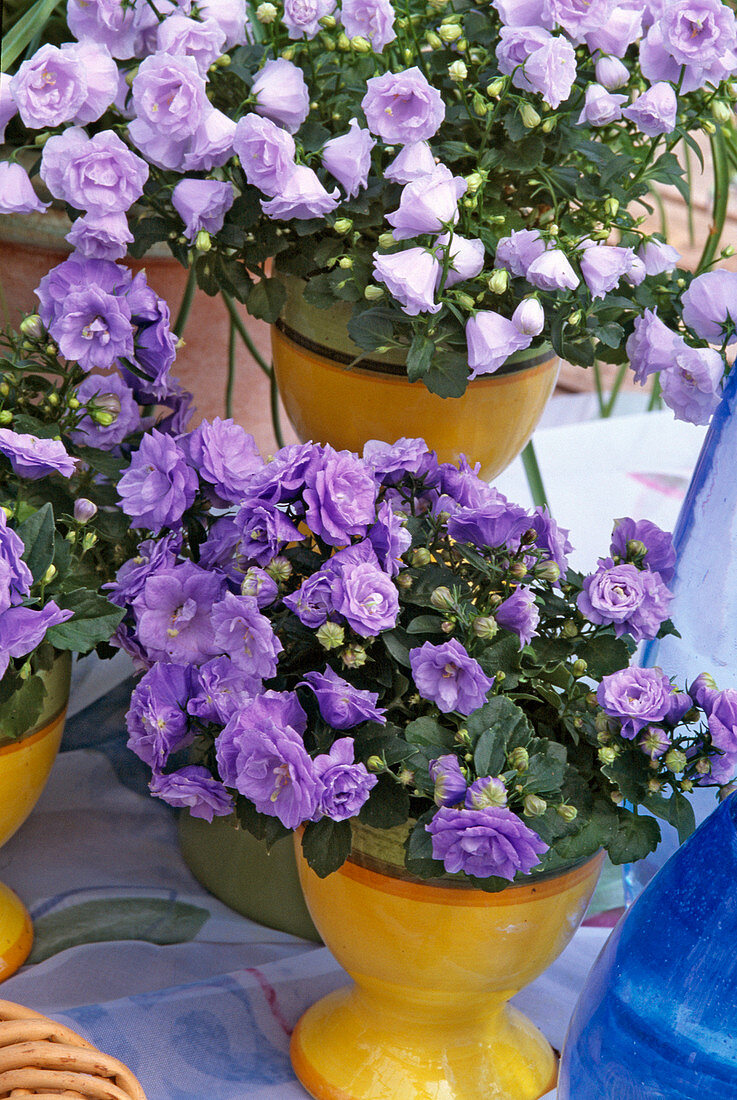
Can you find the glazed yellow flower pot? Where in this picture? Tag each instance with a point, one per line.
(329, 402)
(434, 964)
(24, 768)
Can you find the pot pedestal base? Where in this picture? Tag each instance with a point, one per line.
(16, 932)
(354, 1046)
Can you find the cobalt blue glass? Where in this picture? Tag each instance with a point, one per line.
(657, 1019)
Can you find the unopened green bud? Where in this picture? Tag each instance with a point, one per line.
(25, 670)
(708, 127)
(359, 44)
(721, 111)
(343, 225)
(519, 758)
(328, 42)
(433, 41)
(458, 71)
(131, 75)
(442, 599)
(6, 416)
(547, 571)
(617, 798)
(496, 87)
(345, 262)
(73, 403)
(549, 125)
(386, 240)
(568, 813)
(498, 281)
(484, 627)
(51, 349)
(53, 399)
(479, 104)
(4, 389)
(354, 656)
(404, 581)
(449, 32)
(32, 327)
(675, 760)
(575, 319)
(579, 667)
(636, 550)
(686, 785)
(421, 556)
(375, 764)
(279, 569)
(703, 767)
(203, 241)
(569, 629)
(473, 181)
(49, 575)
(728, 251)
(266, 13)
(330, 635)
(534, 805)
(329, 22)
(608, 754)
(89, 540)
(223, 61)
(289, 52)
(448, 626)
(654, 786)
(461, 45)
(465, 301)
(518, 569)
(103, 418)
(372, 293)
(611, 206)
(530, 117)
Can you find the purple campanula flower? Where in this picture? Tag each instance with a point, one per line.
(654, 742)
(157, 718)
(153, 555)
(516, 43)
(658, 257)
(654, 112)
(489, 790)
(447, 676)
(194, 789)
(312, 603)
(618, 28)
(552, 271)
(519, 614)
(302, 17)
(231, 16)
(16, 191)
(551, 70)
(282, 478)
(710, 306)
(411, 277)
(340, 496)
(611, 73)
(260, 586)
(211, 144)
(175, 611)
(345, 784)
(225, 455)
(88, 432)
(22, 629)
(159, 485)
(634, 601)
(692, 385)
(462, 484)
(266, 152)
(698, 36)
(100, 175)
(722, 769)
(342, 705)
(246, 636)
(652, 346)
(219, 691)
(370, 19)
(636, 697)
(523, 13)
(413, 160)
(428, 204)
(348, 157)
(723, 721)
(301, 196)
(389, 538)
(391, 461)
(8, 106)
(76, 274)
(491, 339)
(660, 555)
(95, 328)
(704, 692)
(516, 252)
(402, 107)
(492, 841)
(578, 18)
(466, 257)
(264, 531)
(493, 523)
(601, 106)
(101, 236)
(365, 596)
(84, 510)
(202, 204)
(281, 94)
(170, 102)
(103, 21)
(603, 265)
(529, 317)
(52, 87)
(202, 40)
(450, 782)
(34, 458)
(15, 576)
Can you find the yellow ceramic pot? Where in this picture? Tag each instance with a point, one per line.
(328, 402)
(434, 964)
(24, 768)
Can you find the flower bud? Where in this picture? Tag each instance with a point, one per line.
(442, 599)
(421, 556)
(345, 262)
(6, 417)
(530, 117)
(465, 301)
(549, 125)
(375, 764)
(289, 52)
(330, 635)
(343, 225)
(354, 656)
(484, 627)
(496, 87)
(84, 510)
(617, 798)
(51, 349)
(708, 127)
(457, 71)
(636, 550)
(675, 760)
(343, 42)
(449, 32)
(49, 575)
(529, 317)
(474, 180)
(498, 281)
(728, 251)
(721, 111)
(727, 790)
(654, 786)
(266, 13)
(575, 319)
(611, 206)
(88, 541)
(104, 408)
(534, 806)
(686, 785)
(279, 569)
(703, 767)
(372, 293)
(579, 667)
(480, 106)
(489, 790)
(403, 580)
(359, 44)
(569, 629)
(329, 22)
(608, 754)
(518, 569)
(547, 571)
(386, 240)
(203, 241)
(519, 758)
(32, 327)
(568, 813)
(612, 73)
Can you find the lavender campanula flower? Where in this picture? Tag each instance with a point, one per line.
(100, 175)
(411, 277)
(281, 94)
(601, 106)
(389, 538)
(491, 339)
(551, 70)
(658, 257)
(153, 555)
(652, 346)
(603, 265)
(157, 719)
(636, 697)
(219, 691)
(654, 742)
(202, 204)
(710, 306)
(266, 152)
(348, 157)
(264, 530)
(211, 144)
(340, 495)
(529, 317)
(519, 614)
(523, 13)
(428, 204)
(692, 385)
(698, 36)
(659, 556)
(202, 40)
(447, 676)
(301, 196)
(75, 83)
(370, 19)
(170, 102)
(103, 21)
(345, 785)
(312, 603)
(391, 461)
(15, 576)
(466, 257)
(516, 43)
(84, 510)
(260, 586)
(159, 485)
(412, 161)
(76, 274)
(16, 191)
(246, 636)
(618, 28)
(552, 271)
(493, 522)
(365, 596)
(611, 73)
(578, 19)
(88, 432)
(516, 252)
(402, 107)
(302, 17)
(101, 236)
(226, 457)
(340, 704)
(194, 789)
(450, 782)
(22, 629)
(489, 790)
(704, 692)
(723, 721)
(8, 106)
(491, 841)
(33, 458)
(654, 112)
(95, 328)
(174, 614)
(552, 538)
(634, 601)
(231, 16)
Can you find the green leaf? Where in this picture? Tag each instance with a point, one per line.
(21, 710)
(326, 845)
(505, 718)
(387, 805)
(372, 328)
(597, 832)
(448, 375)
(147, 232)
(262, 826)
(428, 732)
(425, 624)
(267, 299)
(396, 643)
(418, 847)
(102, 462)
(604, 654)
(503, 655)
(490, 752)
(318, 291)
(636, 837)
(37, 533)
(25, 30)
(546, 769)
(95, 620)
(419, 357)
(676, 810)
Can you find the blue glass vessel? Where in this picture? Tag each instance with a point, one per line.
(657, 1019)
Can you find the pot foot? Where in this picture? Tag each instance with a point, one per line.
(16, 932)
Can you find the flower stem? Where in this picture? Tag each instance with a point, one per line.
(534, 477)
(721, 195)
(244, 335)
(274, 402)
(231, 371)
(621, 375)
(186, 305)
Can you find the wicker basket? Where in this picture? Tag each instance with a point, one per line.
(45, 1060)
